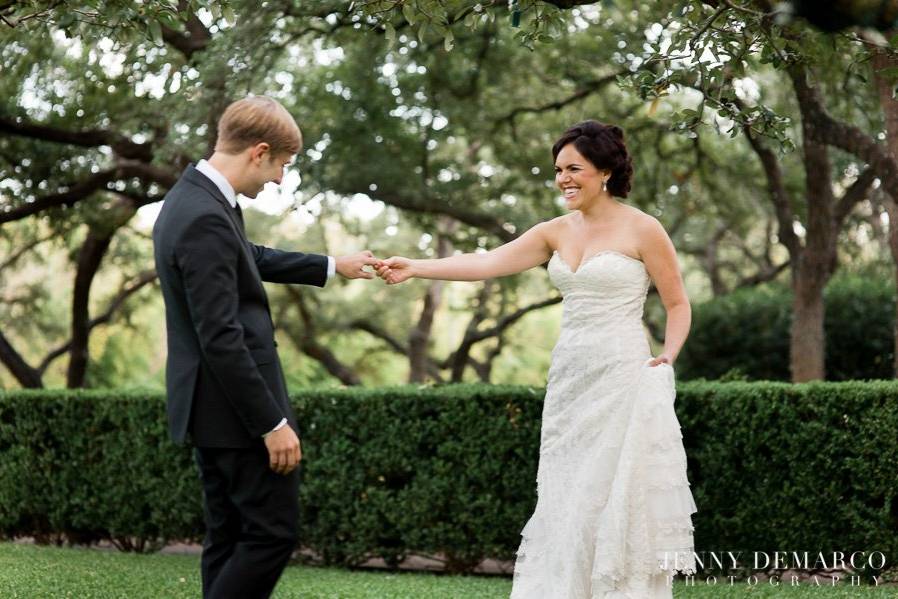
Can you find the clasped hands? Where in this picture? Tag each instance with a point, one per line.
(392, 270)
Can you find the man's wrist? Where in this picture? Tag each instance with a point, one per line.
(279, 426)
(331, 267)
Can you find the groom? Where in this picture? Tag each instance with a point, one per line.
(226, 390)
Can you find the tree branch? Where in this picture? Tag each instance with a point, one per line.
(481, 220)
(307, 343)
(510, 319)
(90, 138)
(24, 250)
(375, 331)
(854, 194)
(566, 4)
(194, 39)
(128, 289)
(27, 376)
(585, 90)
(842, 135)
(460, 357)
(777, 188)
(95, 182)
(74, 194)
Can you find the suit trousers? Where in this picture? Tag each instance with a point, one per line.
(252, 521)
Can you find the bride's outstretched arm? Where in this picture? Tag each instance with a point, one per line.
(529, 250)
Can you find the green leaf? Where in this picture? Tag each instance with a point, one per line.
(409, 13)
(449, 41)
(390, 33)
(66, 19)
(155, 31)
(228, 13)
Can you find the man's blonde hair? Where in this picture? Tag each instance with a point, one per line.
(254, 120)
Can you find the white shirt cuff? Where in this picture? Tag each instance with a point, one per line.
(280, 425)
(331, 267)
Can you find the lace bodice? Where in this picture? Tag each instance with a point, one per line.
(602, 314)
(607, 288)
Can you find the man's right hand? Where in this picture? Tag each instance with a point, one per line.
(284, 450)
(352, 266)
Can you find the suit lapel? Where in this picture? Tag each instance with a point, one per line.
(194, 176)
(203, 181)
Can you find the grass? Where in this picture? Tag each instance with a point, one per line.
(28, 571)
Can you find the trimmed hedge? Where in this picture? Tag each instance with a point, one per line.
(746, 333)
(451, 470)
(808, 467)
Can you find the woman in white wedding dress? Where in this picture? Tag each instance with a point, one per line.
(613, 514)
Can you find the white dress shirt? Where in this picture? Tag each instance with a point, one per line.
(227, 190)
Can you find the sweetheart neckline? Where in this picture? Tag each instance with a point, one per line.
(586, 259)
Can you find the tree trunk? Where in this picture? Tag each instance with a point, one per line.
(892, 210)
(89, 259)
(460, 357)
(883, 60)
(816, 262)
(807, 344)
(99, 237)
(419, 338)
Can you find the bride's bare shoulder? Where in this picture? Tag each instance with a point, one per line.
(642, 220)
(555, 229)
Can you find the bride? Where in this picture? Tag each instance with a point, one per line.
(613, 512)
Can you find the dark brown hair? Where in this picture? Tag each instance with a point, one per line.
(603, 145)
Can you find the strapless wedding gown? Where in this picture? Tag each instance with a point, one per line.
(613, 515)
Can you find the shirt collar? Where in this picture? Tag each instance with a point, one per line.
(220, 181)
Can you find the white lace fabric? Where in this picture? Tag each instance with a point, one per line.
(613, 514)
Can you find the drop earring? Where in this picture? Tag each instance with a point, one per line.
(604, 184)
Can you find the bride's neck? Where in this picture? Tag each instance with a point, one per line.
(599, 210)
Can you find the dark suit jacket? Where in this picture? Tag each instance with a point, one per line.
(223, 376)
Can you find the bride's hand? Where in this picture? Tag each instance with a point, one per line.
(395, 270)
(661, 359)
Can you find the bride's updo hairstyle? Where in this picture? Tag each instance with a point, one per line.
(603, 145)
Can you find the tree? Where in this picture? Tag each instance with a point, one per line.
(435, 111)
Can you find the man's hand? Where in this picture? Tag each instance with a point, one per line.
(284, 450)
(395, 270)
(352, 266)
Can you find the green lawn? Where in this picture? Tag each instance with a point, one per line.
(36, 572)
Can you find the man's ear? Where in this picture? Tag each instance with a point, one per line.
(258, 152)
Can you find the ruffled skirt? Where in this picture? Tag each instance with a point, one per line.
(613, 516)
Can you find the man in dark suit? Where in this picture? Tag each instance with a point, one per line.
(226, 390)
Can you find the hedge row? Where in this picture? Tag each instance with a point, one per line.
(451, 470)
(746, 333)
